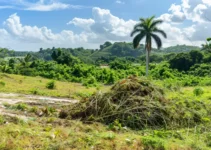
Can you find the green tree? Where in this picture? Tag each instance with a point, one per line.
(62, 57)
(207, 46)
(181, 62)
(147, 28)
(25, 61)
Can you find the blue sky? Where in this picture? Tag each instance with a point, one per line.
(31, 24)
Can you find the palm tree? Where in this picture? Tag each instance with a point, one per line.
(147, 28)
(25, 61)
(207, 46)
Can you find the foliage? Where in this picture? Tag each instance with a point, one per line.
(148, 29)
(90, 81)
(207, 45)
(180, 49)
(184, 61)
(119, 64)
(51, 85)
(64, 58)
(198, 91)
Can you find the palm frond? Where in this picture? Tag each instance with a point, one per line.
(138, 38)
(151, 19)
(140, 25)
(136, 31)
(157, 40)
(161, 32)
(142, 20)
(155, 23)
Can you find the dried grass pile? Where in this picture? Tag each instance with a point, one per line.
(135, 103)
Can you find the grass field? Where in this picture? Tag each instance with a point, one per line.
(48, 131)
(37, 85)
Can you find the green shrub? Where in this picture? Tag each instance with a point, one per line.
(2, 121)
(198, 91)
(153, 143)
(20, 106)
(2, 84)
(89, 82)
(35, 91)
(115, 126)
(51, 85)
(208, 140)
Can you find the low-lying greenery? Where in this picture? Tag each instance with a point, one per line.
(190, 68)
(42, 128)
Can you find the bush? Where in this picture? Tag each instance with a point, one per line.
(51, 85)
(2, 84)
(153, 143)
(198, 91)
(89, 82)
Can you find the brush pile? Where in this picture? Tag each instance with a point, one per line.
(135, 103)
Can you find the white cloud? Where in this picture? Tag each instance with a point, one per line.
(27, 33)
(196, 12)
(208, 2)
(176, 14)
(105, 26)
(110, 26)
(6, 7)
(23, 37)
(39, 5)
(120, 2)
(102, 27)
(82, 23)
(48, 7)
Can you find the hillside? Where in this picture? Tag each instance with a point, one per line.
(107, 51)
(180, 48)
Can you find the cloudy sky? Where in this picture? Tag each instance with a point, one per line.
(32, 24)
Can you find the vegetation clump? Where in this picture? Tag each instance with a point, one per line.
(51, 85)
(198, 91)
(137, 103)
(134, 102)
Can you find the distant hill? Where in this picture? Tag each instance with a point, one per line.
(180, 48)
(119, 49)
(106, 52)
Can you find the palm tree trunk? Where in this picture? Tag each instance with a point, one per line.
(147, 62)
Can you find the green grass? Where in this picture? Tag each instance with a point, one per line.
(61, 134)
(48, 132)
(37, 86)
(53, 133)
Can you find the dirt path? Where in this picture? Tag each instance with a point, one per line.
(12, 99)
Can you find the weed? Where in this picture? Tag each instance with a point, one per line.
(198, 91)
(151, 143)
(108, 136)
(2, 120)
(51, 85)
(20, 106)
(2, 84)
(115, 126)
(35, 91)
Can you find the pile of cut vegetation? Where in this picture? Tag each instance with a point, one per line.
(138, 103)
